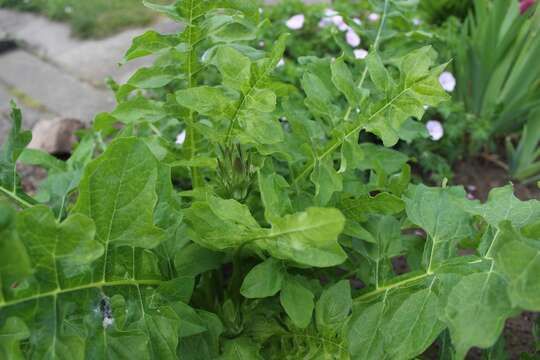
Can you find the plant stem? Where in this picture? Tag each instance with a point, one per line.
(13, 196)
(99, 284)
(196, 179)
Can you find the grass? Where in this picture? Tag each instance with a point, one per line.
(89, 18)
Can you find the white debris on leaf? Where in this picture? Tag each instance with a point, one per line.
(181, 138)
(447, 81)
(374, 17)
(435, 129)
(107, 322)
(205, 55)
(360, 53)
(352, 38)
(296, 22)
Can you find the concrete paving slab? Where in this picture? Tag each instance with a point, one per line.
(59, 92)
(42, 35)
(95, 60)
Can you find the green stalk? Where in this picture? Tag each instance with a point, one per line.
(13, 196)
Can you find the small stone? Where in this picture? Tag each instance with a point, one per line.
(55, 136)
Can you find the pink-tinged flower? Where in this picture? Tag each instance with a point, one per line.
(330, 12)
(352, 38)
(435, 129)
(357, 21)
(325, 22)
(181, 138)
(296, 22)
(339, 22)
(524, 5)
(360, 53)
(447, 81)
(374, 17)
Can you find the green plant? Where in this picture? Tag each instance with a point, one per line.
(252, 252)
(524, 163)
(437, 12)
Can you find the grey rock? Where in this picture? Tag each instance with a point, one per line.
(55, 136)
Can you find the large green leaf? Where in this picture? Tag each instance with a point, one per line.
(518, 259)
(118, 191)
(476, 310)
(263, 280)
(334, 305)
(297, 301)
(438, 212)
(308, 238)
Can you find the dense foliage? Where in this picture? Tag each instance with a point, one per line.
(220, 212)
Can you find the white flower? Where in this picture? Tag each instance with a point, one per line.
(435, 129)
(281, 62)
(448, 81)
(68, 9)
(338, 21)
(296, 22)
(260, 10)
(330, 12)
(352, 38)
(261, 43)
(374, 17)
(416, 21)
(181, 137)
(325, 22)
(357, 21)
(360, 53)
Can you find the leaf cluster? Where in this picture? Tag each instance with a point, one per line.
(142, 252)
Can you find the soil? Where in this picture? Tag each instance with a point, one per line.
(479, 176)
